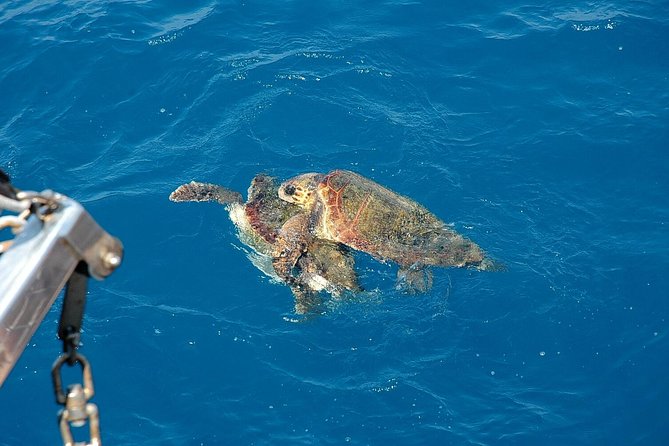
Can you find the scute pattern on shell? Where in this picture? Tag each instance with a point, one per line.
(369, 217)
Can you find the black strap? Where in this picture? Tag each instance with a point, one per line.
(71, 317)
(6, 187)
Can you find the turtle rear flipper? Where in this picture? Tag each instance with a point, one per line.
(488, 264)
(414, 279)
(306, 301)
(195, 191)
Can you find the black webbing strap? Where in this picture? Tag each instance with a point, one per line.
(71, 317)
(6, 187)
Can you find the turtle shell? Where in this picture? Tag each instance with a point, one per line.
(366, 216)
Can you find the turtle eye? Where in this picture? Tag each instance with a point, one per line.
(289, 189)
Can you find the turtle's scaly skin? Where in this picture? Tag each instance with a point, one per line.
(195, 191)
(358, 212)
(258, 220)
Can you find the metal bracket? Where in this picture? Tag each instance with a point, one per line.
(41, 258)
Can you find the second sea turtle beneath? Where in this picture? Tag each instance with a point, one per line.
(350, 209)
(321, 265)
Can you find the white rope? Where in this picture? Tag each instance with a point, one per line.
(8, 204)
(11, 221)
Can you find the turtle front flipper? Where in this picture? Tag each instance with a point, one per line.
(291, 243)
(331, 263)
(291, 246)
(195, 191)
(414, 279)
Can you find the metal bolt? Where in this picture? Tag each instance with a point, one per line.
(111, 260)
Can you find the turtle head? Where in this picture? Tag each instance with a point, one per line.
(301, 190)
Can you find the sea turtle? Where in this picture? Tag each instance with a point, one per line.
(348, 208)
(321, 265)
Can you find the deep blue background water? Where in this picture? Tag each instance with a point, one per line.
(541, 132)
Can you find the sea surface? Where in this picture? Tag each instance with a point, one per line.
(539, 130)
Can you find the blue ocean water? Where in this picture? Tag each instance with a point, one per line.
(539, 131)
